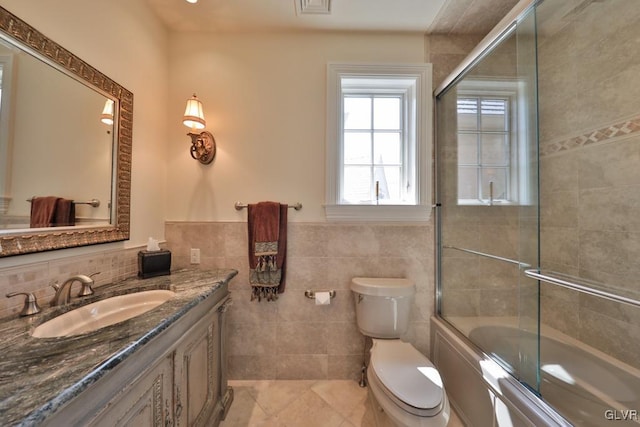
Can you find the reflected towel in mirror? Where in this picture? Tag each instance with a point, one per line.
(52, 211)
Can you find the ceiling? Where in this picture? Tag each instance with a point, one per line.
(442, 16)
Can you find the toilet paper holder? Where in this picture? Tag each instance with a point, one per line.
(312, 295)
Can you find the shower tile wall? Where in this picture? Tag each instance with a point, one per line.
(447, 51)
(292, 338)
(589, 75)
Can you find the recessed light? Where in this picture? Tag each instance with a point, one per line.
(192, 1)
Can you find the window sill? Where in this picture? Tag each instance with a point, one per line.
(474, 202)
(378, 213)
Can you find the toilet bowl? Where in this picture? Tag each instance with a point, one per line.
(406, 385)
(403, 383)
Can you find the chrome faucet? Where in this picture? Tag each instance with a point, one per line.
(63, 292)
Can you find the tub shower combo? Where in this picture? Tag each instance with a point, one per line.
(538, 195)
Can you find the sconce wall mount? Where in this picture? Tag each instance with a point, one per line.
(203, 147)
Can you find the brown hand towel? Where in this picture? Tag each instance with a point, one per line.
(267, 227)
(43, 211)
(65, 213)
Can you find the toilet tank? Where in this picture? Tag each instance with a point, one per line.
(383, 305)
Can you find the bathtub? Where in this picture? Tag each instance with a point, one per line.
(579, 386)
(586, 387)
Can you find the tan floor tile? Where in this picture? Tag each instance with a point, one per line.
(334, 403)
(313, 410)
(363, 415)
(244, 411)
(274, 396)
(345, 396)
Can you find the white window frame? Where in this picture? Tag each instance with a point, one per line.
(416, 81)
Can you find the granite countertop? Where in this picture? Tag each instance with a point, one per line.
(40, 375)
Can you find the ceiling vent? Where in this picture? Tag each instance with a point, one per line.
(308, 7)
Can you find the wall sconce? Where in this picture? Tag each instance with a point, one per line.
(107, 113)
(203, 145)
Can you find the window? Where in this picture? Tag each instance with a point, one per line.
(374, 142)
(492, 167)
(378, 142)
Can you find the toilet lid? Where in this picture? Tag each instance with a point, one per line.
(407, 374)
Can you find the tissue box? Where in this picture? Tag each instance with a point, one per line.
(154, 263)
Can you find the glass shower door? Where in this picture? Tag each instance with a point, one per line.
(487, 190)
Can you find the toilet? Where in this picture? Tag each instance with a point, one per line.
(403, 383)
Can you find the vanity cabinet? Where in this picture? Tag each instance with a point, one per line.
(197, 375)
(144, 403)
(176, 379)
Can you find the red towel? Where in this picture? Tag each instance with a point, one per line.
(43, 211)
(65, 213)
(51, 211)
(267, 227)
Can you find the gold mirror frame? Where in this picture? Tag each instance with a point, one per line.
(27, 38)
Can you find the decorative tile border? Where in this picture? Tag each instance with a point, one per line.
(600, 135)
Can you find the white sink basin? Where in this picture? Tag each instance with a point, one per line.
(101, 313)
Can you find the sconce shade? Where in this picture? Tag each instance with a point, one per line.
(107, 113)
(193, 115)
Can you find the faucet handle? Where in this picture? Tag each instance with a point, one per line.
(30, 303)
(86, 285)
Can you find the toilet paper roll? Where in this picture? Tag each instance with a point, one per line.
(323, 298)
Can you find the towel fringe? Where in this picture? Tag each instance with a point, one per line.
(269, 293)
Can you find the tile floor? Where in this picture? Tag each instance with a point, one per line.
(309, 403)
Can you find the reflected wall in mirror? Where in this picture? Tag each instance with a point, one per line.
(54, 143)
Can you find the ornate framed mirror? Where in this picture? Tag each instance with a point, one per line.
(40, 134)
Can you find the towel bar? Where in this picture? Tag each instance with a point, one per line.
(93, 202)
(574, 283)
(239, 206)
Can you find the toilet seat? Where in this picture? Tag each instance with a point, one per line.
(409, 378)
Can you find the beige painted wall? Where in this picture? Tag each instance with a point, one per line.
(264, 101)
(123, 39)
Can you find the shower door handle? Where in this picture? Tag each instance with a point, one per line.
(561, 280)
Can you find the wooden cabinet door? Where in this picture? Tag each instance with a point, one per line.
(197, 374)
(146, 403)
